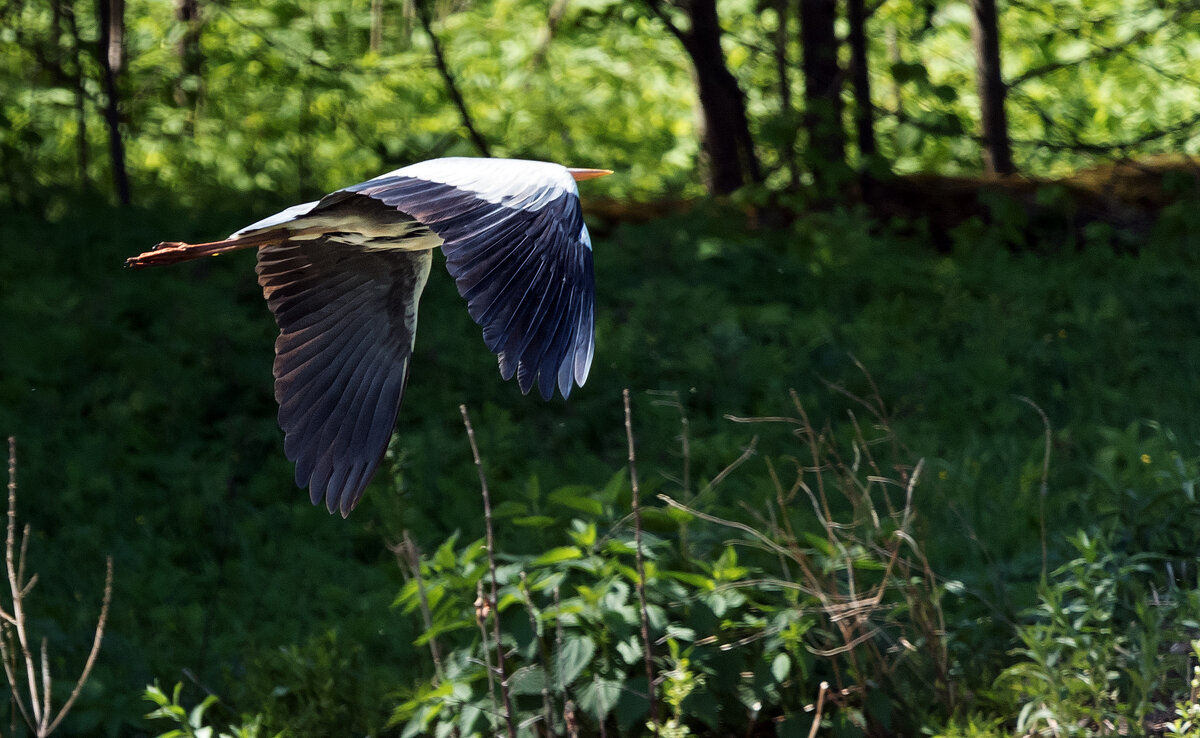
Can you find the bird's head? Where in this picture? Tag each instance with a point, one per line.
(582, 174)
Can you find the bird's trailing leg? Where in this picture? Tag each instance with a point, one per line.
(171, 252)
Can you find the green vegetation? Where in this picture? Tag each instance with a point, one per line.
(917, 450)
(142, 403)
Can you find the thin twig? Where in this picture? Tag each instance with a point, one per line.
(816, 723)
(8, 651)
(481, 614)
(91, 659)
(491, 556)
(641, 570)
(766, 540)
(685, 482)
(456, 97)
(745, 456)
(45, 688)
(408, 552)
(16, 585)
(38, 714)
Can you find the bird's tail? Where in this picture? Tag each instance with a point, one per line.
(171, 252)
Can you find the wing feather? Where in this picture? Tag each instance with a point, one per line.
(516, 245)
(346, 317)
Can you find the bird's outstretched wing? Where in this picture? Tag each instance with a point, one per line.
(346, 317)
(517, 247)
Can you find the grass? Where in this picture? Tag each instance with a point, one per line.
(142, 405)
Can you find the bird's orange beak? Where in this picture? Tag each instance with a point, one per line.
(582, 174)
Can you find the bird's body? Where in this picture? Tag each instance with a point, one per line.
(343, 276)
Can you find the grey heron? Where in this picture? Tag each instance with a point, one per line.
(343, 275)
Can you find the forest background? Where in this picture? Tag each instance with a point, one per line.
(904, 293)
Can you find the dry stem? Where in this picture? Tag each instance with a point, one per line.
(641, 568)
(36, 707)
(491, 556)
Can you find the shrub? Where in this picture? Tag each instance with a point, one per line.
(819, 592)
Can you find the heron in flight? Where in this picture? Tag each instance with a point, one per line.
(343, 276)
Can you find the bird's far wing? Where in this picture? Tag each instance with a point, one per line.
(520, 255)
(283, 216)
(346, 320)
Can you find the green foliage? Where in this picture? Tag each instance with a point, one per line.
(193, 723)
(752, 625)
(143, 401)
(293, 98)
(326, 685)
(1090, 657)
(293, 101)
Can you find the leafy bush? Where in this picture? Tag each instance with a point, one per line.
(1090, 661)
(824, 580)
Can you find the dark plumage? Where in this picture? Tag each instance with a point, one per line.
(343, 277)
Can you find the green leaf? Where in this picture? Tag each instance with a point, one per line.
(699, 581)
(657, 520)
(574, 656)
(527, 680)
(618, 483)
(577, 497)
(510, 509)
(196, 717)
(599, 696)
(584, 534)
(946, 93)
(820, 543)
(630, 650)
(781, 667)
(444, 558)
(555, 555)
(535, 521)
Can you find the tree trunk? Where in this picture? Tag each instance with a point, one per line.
(191, 58)
(822, 90)
(376, 42)
(864, 111)
(985, 33)
(189, 86)
(558, 8)
(111, 56)
(728, 147)
(787, 153)
(82, 154)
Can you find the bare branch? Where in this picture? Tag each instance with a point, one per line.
(1103, 51)
(456, 97)
(658, 9)
(38, 713)
(491, 555)
(91, 659)
(641, 568)
(16, 586)
(407, 553)
(45, 690)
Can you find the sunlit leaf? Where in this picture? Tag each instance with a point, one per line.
(571, 659)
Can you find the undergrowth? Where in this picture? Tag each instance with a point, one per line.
(808, 607)
(144, 403)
